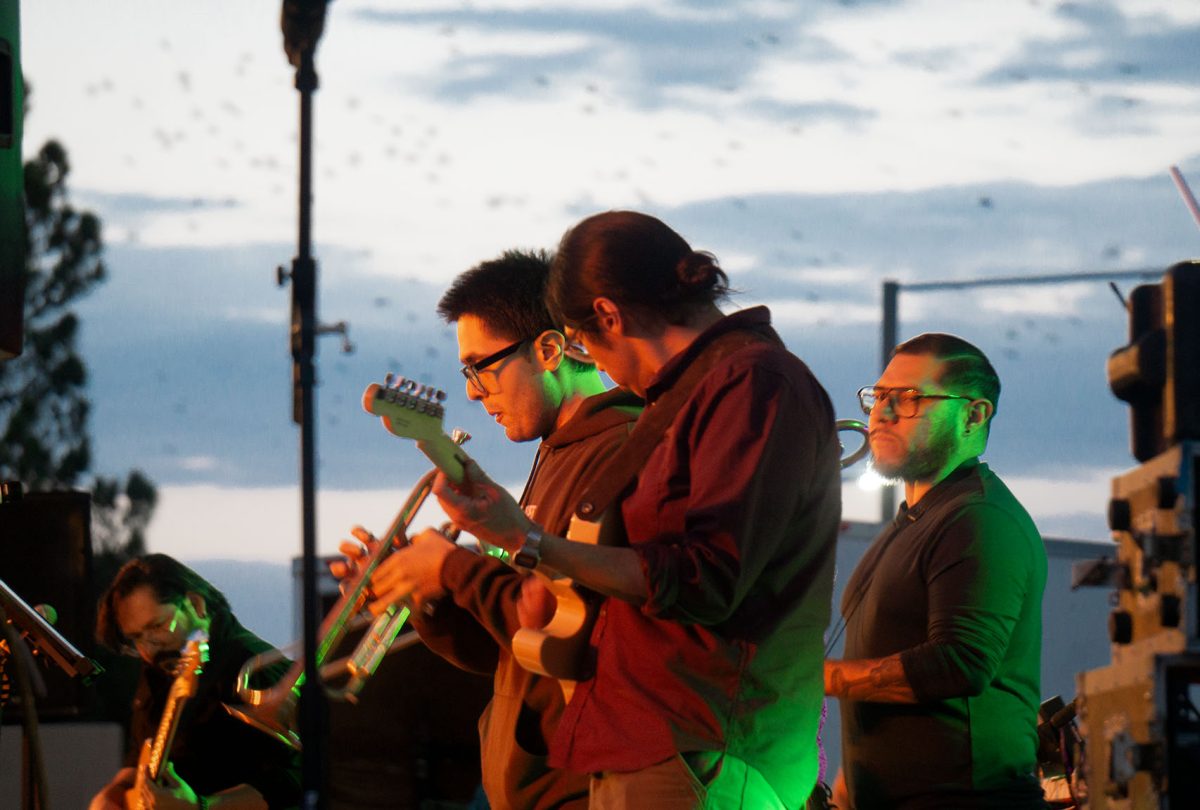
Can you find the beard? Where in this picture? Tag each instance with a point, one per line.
(923, 462)
(167, 661)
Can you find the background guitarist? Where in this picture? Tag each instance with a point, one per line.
(152, 606)
(517, 365)
(708, 678)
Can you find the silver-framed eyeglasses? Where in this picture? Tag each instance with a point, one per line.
(904, 401)
(471, 370)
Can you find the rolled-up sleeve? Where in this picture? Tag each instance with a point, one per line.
(740, 454)
(978, 573)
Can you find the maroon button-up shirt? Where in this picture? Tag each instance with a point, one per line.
(735, 516)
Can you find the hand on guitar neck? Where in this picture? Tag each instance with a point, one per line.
(414, 411)
(479, 505)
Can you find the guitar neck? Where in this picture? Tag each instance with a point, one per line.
(445, 455)
(167, 726)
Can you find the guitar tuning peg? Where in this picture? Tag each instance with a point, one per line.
(460, 436)
(387, 379)
(439, 395)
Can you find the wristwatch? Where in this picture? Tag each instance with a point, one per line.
(531, 551)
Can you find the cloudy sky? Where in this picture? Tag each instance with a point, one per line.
(816, 148)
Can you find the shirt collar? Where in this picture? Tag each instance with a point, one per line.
(755, 318)
(942, 491)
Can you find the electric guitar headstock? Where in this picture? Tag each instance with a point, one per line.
(412, 410)
(192, 661)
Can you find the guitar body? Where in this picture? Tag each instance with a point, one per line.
(559, 649)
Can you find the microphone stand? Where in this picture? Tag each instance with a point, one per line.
(302, 23)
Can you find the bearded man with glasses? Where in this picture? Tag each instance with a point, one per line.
(939, 688)
(151, 608)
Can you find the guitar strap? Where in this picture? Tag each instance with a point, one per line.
(620, 471)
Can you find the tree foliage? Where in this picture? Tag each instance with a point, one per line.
(45, 444)
(44, 431)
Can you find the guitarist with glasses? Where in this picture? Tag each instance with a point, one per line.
(519, 366)
(154, 610)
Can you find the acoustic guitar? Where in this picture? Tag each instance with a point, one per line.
(557, 650)
(187, 679)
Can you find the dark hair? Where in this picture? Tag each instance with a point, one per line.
(170, 580)
(965, 368)
(635, 260)
(507, 293)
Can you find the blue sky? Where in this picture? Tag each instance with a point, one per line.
(815, 148)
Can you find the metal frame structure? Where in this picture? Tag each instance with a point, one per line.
(891, 321)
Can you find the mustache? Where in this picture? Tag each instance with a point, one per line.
(167, 660)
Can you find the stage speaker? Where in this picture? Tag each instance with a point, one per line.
(46, 558)
(12, 184)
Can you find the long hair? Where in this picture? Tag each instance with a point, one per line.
(635, 260)
(170, 580)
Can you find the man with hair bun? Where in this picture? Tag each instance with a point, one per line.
(940, 687)
(705, 684)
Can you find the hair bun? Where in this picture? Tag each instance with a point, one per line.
(696, 270)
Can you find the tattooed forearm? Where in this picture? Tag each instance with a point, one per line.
(879, 680)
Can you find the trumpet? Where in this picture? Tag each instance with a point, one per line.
(853, 426)
(273, 710)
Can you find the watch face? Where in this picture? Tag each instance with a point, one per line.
(531, 551)
(527, 557)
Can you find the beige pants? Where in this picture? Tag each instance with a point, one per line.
(692, 781)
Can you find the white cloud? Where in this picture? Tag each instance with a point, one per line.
(1081, 494)
(275, 316)
(199, 463)
(1057, 299)
(213, 522)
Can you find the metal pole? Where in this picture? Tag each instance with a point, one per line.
(891, 320)
(304, 328)
(891, 304)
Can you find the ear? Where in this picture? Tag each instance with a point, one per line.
(551, 348)
(609, 318)
(978, 414)
(199, 607)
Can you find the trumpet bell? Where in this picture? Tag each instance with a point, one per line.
(853, 426)
(275, 720)
(271, 710)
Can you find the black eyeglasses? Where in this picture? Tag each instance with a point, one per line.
(471, 370)
(904, 401)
